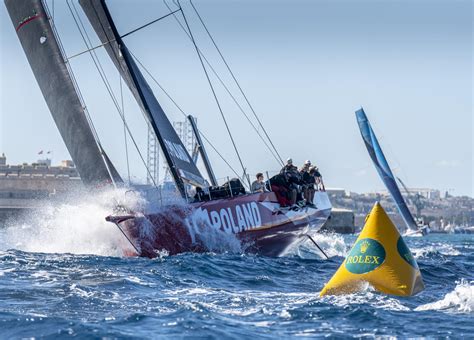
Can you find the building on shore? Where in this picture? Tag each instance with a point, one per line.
(21, 186)
(431, 194)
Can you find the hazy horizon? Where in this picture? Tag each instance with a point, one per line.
(306, 67)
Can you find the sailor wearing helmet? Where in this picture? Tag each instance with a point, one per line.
(306, 166)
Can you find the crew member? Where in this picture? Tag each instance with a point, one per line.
(310, 180)
(306, 166)
(258, 185)
(279, 186)
(289, 167)
(318, 179)
(293, 178)
(306, 181)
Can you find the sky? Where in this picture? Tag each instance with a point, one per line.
(305, 66)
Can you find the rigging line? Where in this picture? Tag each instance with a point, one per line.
(107, 84)
(124, 129)
(214, 93)
(150, 23)
(124, 35)
(182, 111)
(90, 49)
(235, 79)
(213, 147)
(78, 92)
(226, 88)
(143, 113)
(93, 54)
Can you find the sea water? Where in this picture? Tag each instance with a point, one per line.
(63, 274)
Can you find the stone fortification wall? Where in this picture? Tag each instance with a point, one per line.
(341, 221)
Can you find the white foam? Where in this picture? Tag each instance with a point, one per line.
(438, 248)
(76, 225)
(332, 244)
(460, 300)
(367, 297)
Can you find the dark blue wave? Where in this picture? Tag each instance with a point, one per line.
(222, 296)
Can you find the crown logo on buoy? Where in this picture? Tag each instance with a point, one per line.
(364, 246)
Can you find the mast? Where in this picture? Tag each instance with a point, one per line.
(381, 164)
(181, 166)
(56, 81)
(202, 151)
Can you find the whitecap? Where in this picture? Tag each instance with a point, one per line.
(433, 249)
(74, 225)
(460, 300)
(367, 296)
(331, 243)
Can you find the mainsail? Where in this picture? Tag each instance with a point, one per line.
(179, 161)
(381, 164)
(47, 61)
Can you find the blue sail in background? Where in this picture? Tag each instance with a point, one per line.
(375, 152)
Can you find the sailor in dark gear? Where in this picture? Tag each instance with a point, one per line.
(310, 180)
(288, 167)
(293, 179)
(306, 166)
(306, 181)
(279, 186)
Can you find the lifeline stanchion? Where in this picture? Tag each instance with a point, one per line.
(230, 187)
(269, 182)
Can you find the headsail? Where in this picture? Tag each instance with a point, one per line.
(381, 164)
(47, 61)
(180, 163)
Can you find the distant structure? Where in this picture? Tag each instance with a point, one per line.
(185, 133)
(338, 192)
(153, 159)
(431, 194)
(21, 185)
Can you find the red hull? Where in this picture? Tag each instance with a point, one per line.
(256, 222)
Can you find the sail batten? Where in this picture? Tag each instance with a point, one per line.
(57, 84)
(179, 161)
(383, 169)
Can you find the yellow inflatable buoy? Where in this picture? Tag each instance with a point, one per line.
(380, 258)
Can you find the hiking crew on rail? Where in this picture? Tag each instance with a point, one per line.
(293, 188)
